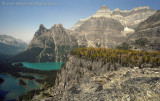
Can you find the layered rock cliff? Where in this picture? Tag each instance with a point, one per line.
(128, 18)
(108, 28)
(102, 32)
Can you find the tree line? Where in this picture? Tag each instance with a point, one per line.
(121, 56)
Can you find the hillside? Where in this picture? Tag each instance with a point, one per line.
(85, 78)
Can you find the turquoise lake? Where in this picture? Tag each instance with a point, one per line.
(43, 66)
(11, 89)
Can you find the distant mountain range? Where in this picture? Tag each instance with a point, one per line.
(105, 28)
(10, 45)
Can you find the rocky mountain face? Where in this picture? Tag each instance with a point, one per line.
(108, 28)
(102, 32)
(147, 34)
(84, 80)
(130, 18)
(10, 45)
(49, 45)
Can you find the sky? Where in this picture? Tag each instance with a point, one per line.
(22, 21)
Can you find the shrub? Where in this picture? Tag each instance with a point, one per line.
(124, 46)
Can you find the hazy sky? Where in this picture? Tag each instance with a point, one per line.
(22, 21)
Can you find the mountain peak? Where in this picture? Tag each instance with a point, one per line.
(41, 29)
(117, 9)
(104, 7)
(55, 26)
(103, 11)
(58, 25)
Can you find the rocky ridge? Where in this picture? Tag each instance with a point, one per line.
(83, 80)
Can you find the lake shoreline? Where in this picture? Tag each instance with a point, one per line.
(39, 66)
(17, 72)
(1, 80)
(16, 86)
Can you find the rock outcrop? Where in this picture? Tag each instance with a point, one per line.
(147, 34)
(82, 80)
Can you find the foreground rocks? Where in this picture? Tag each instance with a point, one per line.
(76, 81)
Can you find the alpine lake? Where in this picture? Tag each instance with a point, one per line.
(10, 89)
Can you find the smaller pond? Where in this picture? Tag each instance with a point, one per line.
(10, 89)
